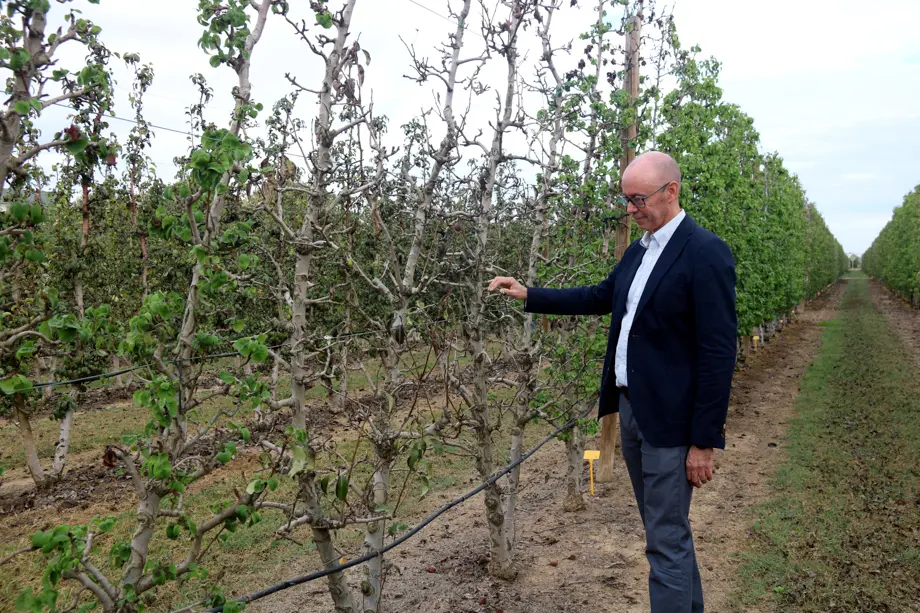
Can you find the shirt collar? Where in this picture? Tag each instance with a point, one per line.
(664, 233)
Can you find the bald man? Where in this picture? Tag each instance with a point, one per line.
(669, 365)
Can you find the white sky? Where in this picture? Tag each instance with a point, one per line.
(831, 84)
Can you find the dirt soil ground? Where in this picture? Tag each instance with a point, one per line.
(594, 560)
(903, 319)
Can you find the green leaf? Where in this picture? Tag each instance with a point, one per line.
(22, 107)
(272, 483)
(341, 487)
(298, 461)
(40, 539)
(244, 260)
(426, 486)
(36, 214)
(224, 456)
(19, 211)
(215, 61)
(245, 434)
(26, 351)
(78, 146)
(34, 255)
(106, 525)
(324, 19)
(19, 59)
(414, 456)
(238, 326)
(260, 353)
(14, 384)
(255, 486)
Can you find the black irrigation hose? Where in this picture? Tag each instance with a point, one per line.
(108, 375)
(278, 587)
(105, 375)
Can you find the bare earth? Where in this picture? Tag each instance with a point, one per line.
(903, 319)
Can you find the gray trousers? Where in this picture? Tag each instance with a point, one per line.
(659, 480)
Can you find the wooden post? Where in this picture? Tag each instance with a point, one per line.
(628, 135)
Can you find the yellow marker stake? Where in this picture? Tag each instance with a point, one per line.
(591, 455)
(756, 338)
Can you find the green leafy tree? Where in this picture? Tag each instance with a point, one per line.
(894, 256)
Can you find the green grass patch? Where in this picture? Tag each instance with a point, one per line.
(843, 530)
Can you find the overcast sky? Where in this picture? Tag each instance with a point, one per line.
(832, 85)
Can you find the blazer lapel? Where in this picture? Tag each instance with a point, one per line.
(622, 289)
(666, 260)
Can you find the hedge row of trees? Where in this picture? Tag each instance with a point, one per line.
(894, 256)
(784, 251)
(366, 259)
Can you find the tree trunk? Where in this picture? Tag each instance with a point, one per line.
(62, 448)
(33, 31)
(343, 597)
(144, 258)
(276, 370)
(84, 241)
(575, 451)
(28, 443)
(147, 511)
(49, 365)
(78, 294)
(372, 586)
(299, 321)
(141, 235)
(116, 366)
(513, 483)
(501, 562)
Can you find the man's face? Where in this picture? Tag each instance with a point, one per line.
(658, 205)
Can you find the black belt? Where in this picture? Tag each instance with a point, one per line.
(625, 392)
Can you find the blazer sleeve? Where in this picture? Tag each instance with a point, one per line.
(586, 300)
(716, 325)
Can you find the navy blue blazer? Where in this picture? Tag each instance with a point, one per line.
(682, 344)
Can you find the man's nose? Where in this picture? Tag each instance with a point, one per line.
(631, 208)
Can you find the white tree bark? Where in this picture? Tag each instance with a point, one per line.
(501, 563)
(28, 443)
(343, 596)
(62, 448)
(526, 358)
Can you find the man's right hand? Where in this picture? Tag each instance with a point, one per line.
(508, 286)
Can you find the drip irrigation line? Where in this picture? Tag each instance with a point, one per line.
(217, 356)
(289, 583)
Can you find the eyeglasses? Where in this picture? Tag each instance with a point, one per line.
(638, 201)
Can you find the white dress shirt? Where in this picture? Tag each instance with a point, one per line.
(654, 244)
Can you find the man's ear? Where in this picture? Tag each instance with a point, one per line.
(673, 189)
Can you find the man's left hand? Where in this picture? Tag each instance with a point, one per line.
(699, 466)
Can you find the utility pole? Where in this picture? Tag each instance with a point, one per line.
(624, 225)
